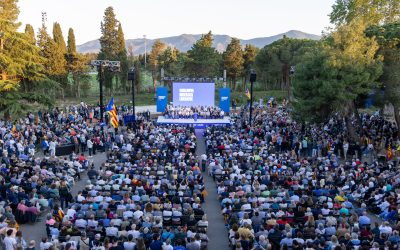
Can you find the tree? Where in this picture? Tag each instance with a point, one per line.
(55, 66)
(71, 47)
(30, 34)
(249, 57)
(387, 36)
(9, 14)
(19, 62)
(59, 38)
(274, 61)
(368, 11)
(59, 51)
(342, 70)
(154, 60)
(109, 46)
(203, 59)
(123, 58)
(77, 66)
(233, 60)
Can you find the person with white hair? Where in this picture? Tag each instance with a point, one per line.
(288, 241)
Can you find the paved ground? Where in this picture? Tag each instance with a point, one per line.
(217, 232)
(38, 230)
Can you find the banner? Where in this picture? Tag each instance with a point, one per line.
(162, 98)
(225, 99)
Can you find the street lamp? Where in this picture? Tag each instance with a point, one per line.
(253, 77)
(131, 77)
(291, 74)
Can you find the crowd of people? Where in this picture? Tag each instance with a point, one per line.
(283, 185)
(149, 194)
(200, 112)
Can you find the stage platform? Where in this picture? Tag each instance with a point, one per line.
(200, 123)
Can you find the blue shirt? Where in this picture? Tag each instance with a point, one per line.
(156, 245)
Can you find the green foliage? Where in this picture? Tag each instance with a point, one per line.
(367, 11)
(155, 58)
(123, 58)
(233, 60)
(71, 47)
(8, 16)
(273, 62)
(109, 44)
(249, 58)
(203, 60)
(330, 77)
(19, 59)
(388, 37)
(30, 34)
(59, 38)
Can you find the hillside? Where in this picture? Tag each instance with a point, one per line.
(185, 41)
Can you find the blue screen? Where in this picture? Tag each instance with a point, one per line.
(193, 94)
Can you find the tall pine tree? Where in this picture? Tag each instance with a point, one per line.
(30, 33)
(233, 61)
(77, 66)
(154, 60)
(59, 53)
(19, 62)
(123, 58)
(109, 45)
(203, 59)
(71, 48)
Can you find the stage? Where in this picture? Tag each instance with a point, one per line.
(200, 123)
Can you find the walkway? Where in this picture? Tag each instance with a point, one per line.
(37, 230)
(217, 232)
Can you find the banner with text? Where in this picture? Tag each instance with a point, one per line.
(193, 94)
(162, 98)
(225, 99)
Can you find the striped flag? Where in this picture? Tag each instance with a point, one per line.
(112, 111)
(389, 152)
(247, 93)
(14, 128)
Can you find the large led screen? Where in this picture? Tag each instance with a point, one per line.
(193, 94)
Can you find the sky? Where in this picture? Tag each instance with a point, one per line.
(243, 19)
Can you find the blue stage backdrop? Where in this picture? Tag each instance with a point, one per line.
(189, 94)
(162, 98)
(225, 99)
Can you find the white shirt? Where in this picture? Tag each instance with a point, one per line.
(9, 243)
(129, 245)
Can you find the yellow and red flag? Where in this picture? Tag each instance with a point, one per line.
(112, 111)
(389, 152)
(247, 93)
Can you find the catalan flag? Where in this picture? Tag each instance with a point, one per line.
(389, 152)
(112, 111)
(247, 93)
(14, 128)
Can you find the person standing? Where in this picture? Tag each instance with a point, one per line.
(52, 148)
(45, 146)
(65, 195)
(9, 241)
(89, 144)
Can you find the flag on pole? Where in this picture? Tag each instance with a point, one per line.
(112, 111)
(14, 128)
(247, 93)
(389, 152)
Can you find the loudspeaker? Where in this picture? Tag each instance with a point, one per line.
(253, 75)
(131, 75)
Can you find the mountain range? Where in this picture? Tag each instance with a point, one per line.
(185, 41)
